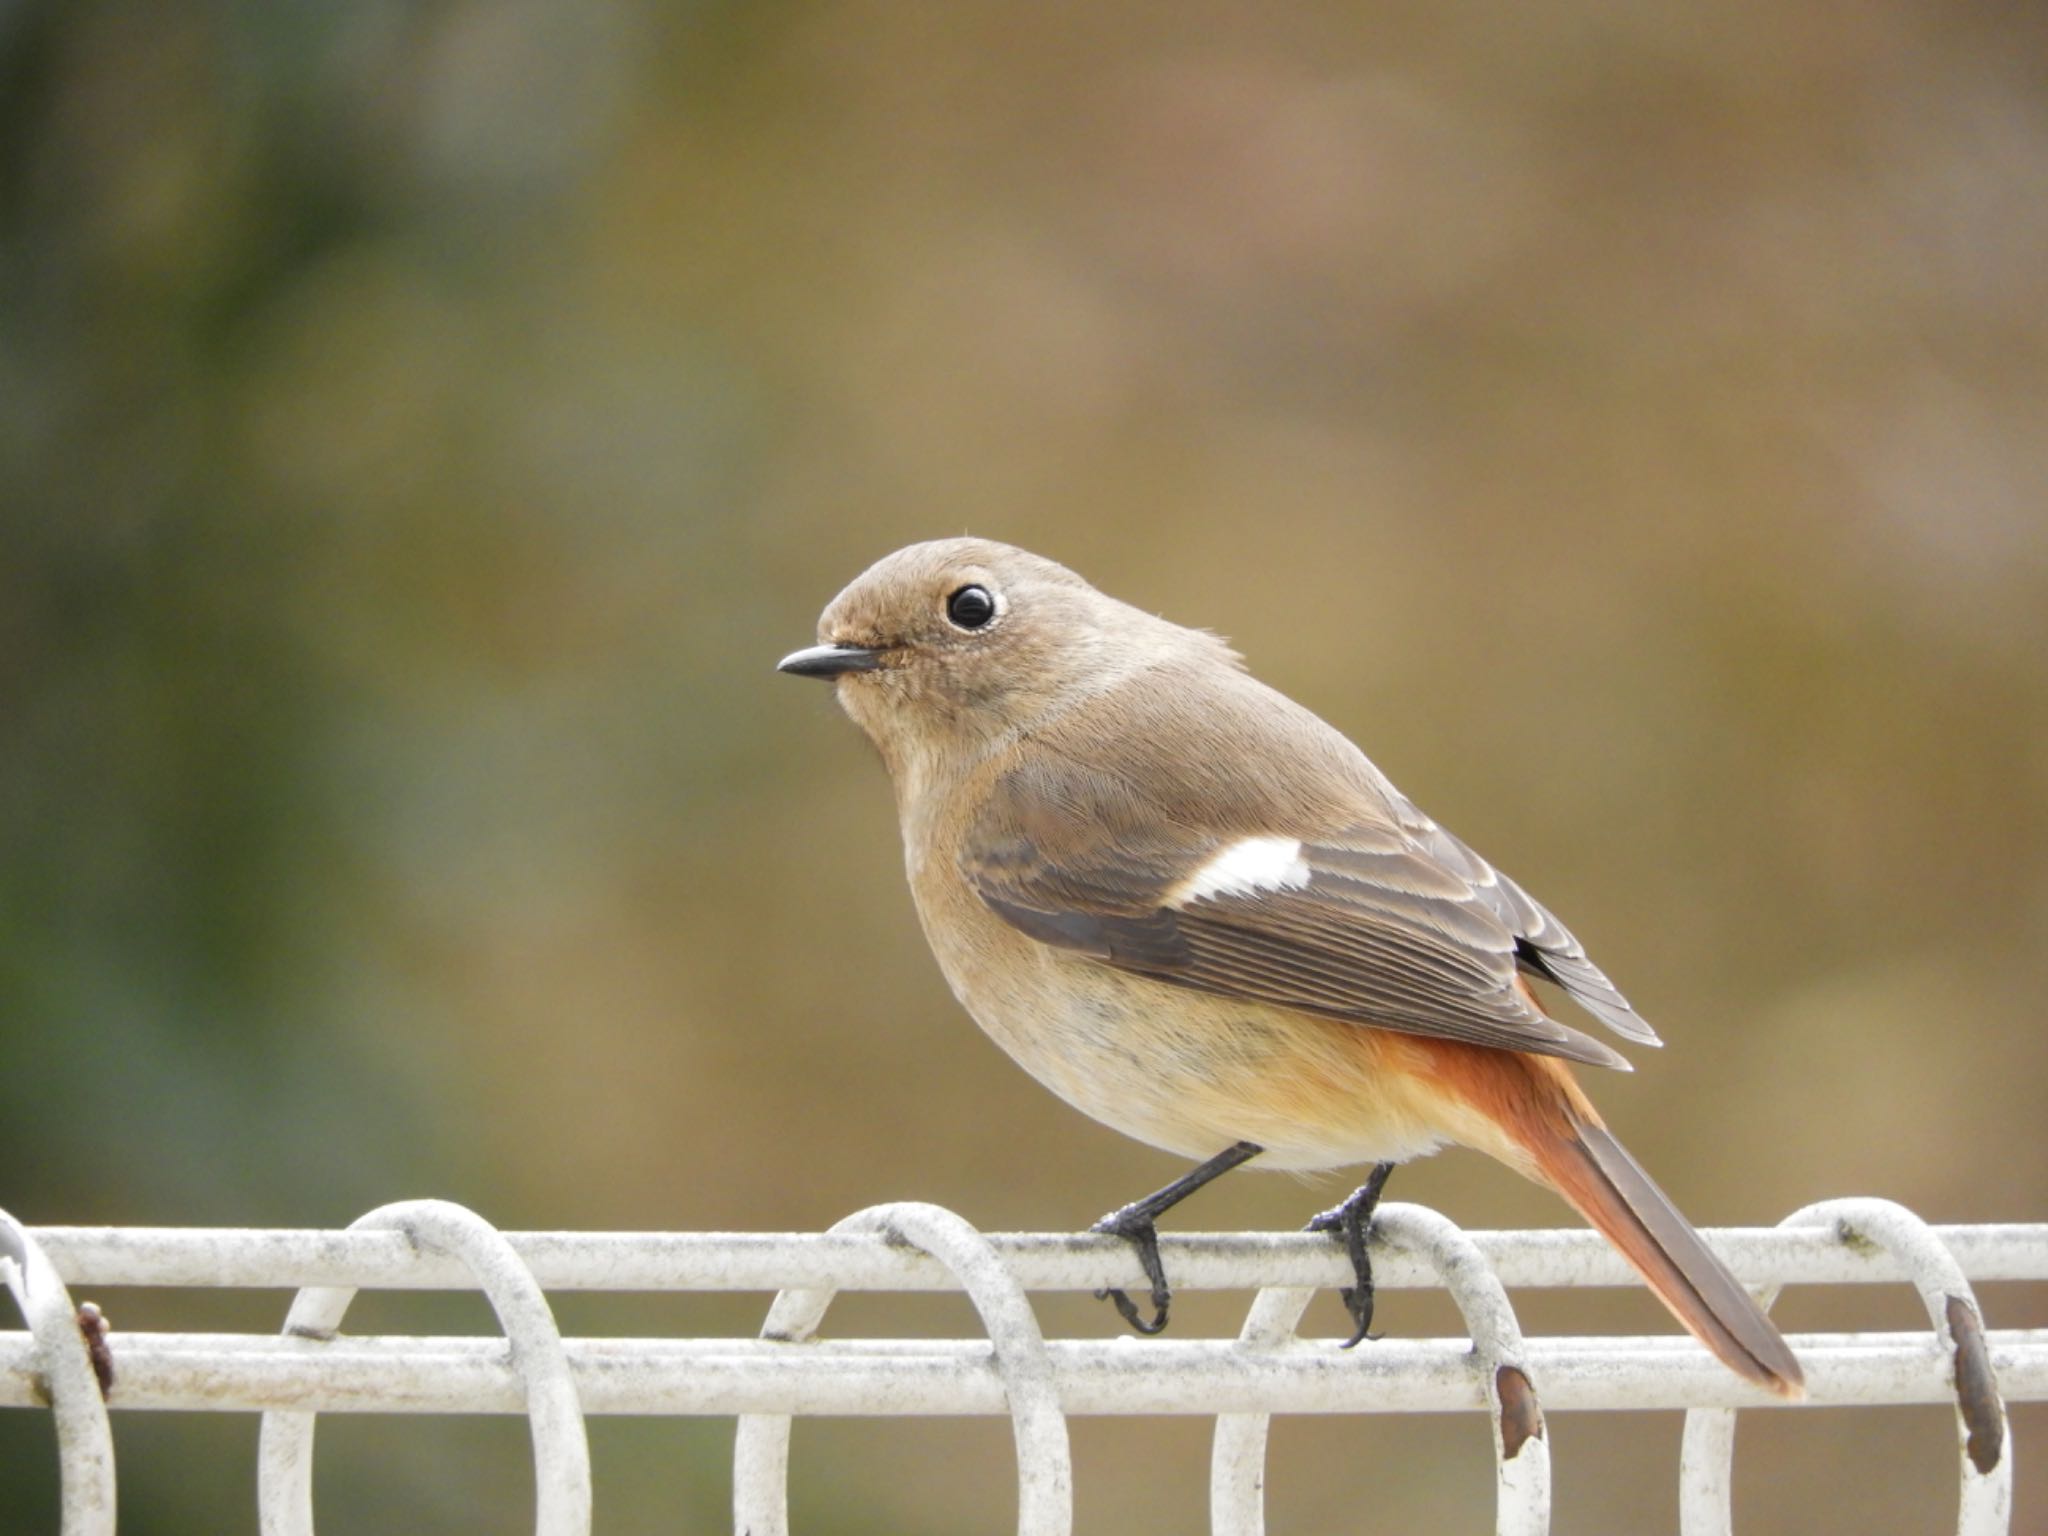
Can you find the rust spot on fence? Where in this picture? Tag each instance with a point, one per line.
(1521, 1417)
(92, 1327)
(1976, 1388)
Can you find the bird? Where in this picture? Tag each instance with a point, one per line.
(1202, 916)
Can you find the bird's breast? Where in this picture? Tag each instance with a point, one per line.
(1184, 1070)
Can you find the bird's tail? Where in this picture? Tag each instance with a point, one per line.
(1592, 1170)
(1539, 1120)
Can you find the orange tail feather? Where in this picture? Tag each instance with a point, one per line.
(1609, 1188)
(1541, 1109)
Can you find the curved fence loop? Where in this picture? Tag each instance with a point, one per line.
(61, 1360)
(1045, 1480)
(1707, 1455)
(64, 1369)
(561, 1450)
(1521, 1446)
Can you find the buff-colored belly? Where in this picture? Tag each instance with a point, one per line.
(1191, 1072)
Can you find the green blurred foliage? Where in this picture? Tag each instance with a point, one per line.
(422, 428)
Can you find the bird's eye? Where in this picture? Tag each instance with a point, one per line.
(971, 607)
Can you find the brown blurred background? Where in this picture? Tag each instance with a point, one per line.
(422, 427)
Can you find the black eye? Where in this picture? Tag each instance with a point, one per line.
(971, 607)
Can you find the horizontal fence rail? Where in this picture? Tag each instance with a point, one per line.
(289, 1258)
(71, 1363)
(894, 1378)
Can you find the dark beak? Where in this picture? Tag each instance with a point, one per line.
(829, 661)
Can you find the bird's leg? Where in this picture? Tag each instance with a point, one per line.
(1134, 1223)
(1350, 1222)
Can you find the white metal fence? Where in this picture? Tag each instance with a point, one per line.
(70, 1366)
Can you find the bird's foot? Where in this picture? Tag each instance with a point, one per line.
(1135, 1226)
(1351, 1224)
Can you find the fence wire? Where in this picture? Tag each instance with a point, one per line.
(69, 1363)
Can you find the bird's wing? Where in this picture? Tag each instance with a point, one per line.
(1543, 946)
(1385, 920)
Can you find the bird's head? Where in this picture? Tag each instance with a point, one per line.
(948, 648)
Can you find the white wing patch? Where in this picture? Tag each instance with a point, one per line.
(1245, 868)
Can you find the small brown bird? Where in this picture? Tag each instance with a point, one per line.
(1199, 914)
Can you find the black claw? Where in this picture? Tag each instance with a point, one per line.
(1358, 1301)
(1134, 1224)
(1128, 1310)
(1351, 1222)
(1138, 1230)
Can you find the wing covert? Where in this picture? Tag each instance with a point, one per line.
(1369, 923)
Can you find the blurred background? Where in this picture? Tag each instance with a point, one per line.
(422, 428)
